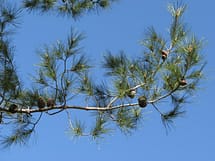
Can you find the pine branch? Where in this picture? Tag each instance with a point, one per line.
(74, 8)
(163, 72)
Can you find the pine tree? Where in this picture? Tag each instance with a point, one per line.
(168, 69)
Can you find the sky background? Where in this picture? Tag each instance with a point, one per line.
(121, 28)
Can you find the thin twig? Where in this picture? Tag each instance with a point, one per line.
(69, 119)
(112, 101)
(38, 119)
(137, 86)
(164, 96)
(115, 98)
(157, 109)
(55, 112)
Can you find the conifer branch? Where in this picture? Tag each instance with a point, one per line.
(161, 73)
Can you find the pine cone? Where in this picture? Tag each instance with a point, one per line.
(142, 101)
(13, 108)
(41, 103)
(182, 82)
(50, 102)
(131, 93)
(164, 54)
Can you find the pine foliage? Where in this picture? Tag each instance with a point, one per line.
(169, 69)
(69, 8)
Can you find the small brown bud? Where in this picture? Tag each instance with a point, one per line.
(190, 48)
(142, 101)
(132, 67)
(182, 82)
(41, 103)
(50, 102)
(164, 54)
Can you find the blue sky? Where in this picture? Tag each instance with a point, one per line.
(121, 28)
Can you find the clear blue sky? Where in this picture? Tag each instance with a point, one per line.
(121, 27)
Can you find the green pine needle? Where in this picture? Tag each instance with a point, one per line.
(168, 117)
(127, 120)
(19, 137)
(116, 65)
(100, 128)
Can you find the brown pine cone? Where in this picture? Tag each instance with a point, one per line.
(131, 93)
(182, 82)
(50, 102)
(41, 103)
(142, 101)
(164, 54)
(12, 108)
